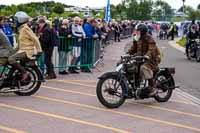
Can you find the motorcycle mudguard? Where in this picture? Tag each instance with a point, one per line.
(198, 52)
(168, 73)
(123, 79)
(40, 73)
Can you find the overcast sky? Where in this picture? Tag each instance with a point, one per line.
(100, 3)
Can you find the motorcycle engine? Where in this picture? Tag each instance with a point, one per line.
(142, 93)
(131, 68)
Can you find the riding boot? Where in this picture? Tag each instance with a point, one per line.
(25, 74)
(152, 89)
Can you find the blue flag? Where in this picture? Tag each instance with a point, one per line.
(107, 16)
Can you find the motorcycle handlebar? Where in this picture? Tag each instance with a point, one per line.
(134, 57)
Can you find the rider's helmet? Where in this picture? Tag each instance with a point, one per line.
(21, 18)
(142, 28)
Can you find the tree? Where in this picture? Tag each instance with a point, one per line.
(121, 9)
(59, 9)
(145, 9)
(192, 13)
(198, 7)
(162, 10)
(132, 9)
(94, 13)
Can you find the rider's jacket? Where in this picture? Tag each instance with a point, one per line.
(28, 41)
(192, 35)
(164, 27)
(147, 47)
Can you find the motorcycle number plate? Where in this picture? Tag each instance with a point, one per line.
(119, 67)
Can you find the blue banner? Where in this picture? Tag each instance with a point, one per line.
(108, 14)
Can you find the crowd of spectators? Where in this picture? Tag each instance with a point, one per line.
(50, 30)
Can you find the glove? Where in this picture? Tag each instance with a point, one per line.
(147, 57)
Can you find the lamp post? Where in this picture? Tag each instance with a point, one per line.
(183, 7)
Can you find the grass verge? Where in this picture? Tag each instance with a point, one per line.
(182, 41)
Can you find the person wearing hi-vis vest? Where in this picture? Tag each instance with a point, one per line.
(172, 30)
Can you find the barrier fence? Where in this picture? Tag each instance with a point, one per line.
(74, 52)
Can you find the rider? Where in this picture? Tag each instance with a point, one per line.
(28, 41)
(164, 27)
(192, 34)
(5, 48)
(145, 45)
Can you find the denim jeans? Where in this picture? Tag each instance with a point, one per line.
(62, 60)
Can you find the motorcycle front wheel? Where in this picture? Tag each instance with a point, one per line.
(189, 53)
(111, 91)
(198, 55)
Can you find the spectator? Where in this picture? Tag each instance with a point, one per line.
(79, 34)
(56, 23)
(46, 38)
(7, 30)
(117, 30)
(63, 49)
(172, 30)
(90, 31)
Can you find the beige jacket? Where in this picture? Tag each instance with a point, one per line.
(28, 41)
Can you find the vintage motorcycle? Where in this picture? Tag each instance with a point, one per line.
(113, 88)
(194, 50)
(10, 78)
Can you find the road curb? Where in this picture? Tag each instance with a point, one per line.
(176, 46)
(181, 92)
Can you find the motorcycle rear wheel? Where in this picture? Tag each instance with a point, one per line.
(34, 84)
(167, 90)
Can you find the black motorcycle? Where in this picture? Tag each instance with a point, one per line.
(162, 35)
(114, 88)
(194, 50)
(10, 78)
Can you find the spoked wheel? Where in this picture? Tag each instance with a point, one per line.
(198, 59)
(111, 92)
(164, 90)
(198, 55)
(32, 84)
(189, 53)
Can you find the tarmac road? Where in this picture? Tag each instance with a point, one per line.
(69, 104)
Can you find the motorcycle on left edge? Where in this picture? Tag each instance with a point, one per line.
(10, 78)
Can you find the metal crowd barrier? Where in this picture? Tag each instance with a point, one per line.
(87, 52)
(71, 52)
(127, 32)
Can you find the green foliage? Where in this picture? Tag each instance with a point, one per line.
(75, 14)
(198, 7)
(142, 10)
(127, 9)
(59, 9)
(162, 11)
(34, 8)
(182, 42)
(177, 19)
